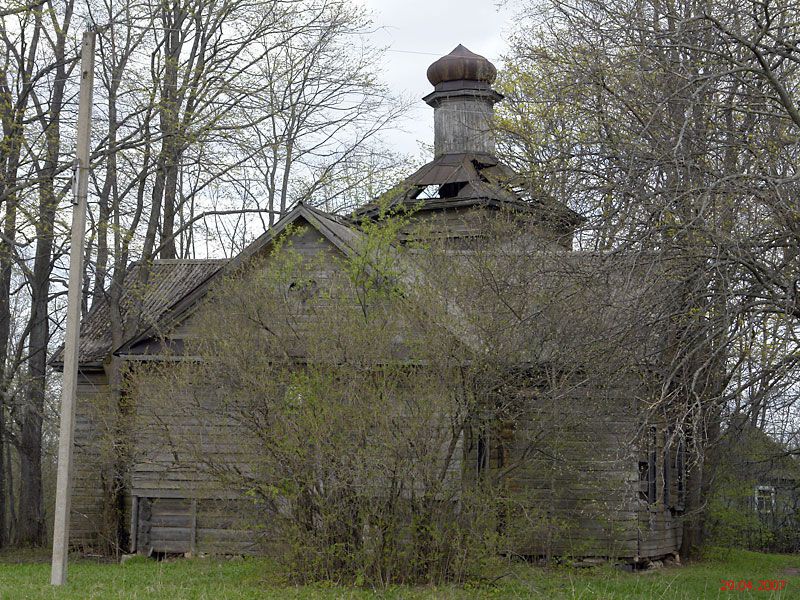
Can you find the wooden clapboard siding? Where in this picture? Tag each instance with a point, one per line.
(464, 223)
(186, 447)
(464, 227)
(322, 268)
(181, 449)
(213, 526)
(232, 527)
(660, 532)
(90, 460)
(578, 489)
(166, 525)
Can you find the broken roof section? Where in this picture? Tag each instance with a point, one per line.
(454, 181)
(465, 171)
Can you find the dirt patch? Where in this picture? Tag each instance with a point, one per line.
(792, 571)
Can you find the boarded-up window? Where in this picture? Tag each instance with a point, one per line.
(647, 470)
(680, 473)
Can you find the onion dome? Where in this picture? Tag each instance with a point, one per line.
(460, 65)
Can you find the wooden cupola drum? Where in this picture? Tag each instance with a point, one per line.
(463, 103)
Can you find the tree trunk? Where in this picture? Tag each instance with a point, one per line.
(32, 528)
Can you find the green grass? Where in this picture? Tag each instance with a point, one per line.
(22, 577)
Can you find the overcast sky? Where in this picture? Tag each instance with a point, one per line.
(417, 32)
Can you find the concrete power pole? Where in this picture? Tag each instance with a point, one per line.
(58, 575)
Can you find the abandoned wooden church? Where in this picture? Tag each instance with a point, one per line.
(596, 472)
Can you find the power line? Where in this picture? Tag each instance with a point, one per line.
(415, 52)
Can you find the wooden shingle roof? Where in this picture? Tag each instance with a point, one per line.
(168, 281)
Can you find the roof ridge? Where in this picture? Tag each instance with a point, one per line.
(187, 261)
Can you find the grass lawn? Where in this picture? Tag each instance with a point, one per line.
(23, 576)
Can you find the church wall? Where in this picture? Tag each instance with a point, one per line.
(192, 459)
(468, 226)
(93, 418)
(580, 478)
(572, 463)
(189, 459)
(569, 467)
(190, 452)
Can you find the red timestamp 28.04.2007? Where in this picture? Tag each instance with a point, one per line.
(762, 585)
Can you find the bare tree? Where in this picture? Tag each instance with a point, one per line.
(181, 99)
(665, 136)
(37, 61)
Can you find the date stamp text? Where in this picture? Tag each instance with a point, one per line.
(761, 585)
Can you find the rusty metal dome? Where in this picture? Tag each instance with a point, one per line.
(459, 65)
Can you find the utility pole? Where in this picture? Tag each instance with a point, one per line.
(58, 574)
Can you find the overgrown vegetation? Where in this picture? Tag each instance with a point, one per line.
(646, 116)
(349, 410)
(756, 495)
(404, 414)
(261, 578)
